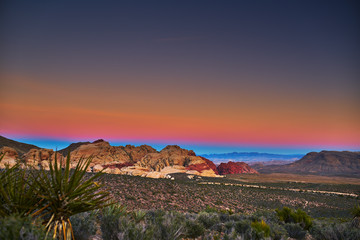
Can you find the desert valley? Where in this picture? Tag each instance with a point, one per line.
(326, 185)
(179, 120)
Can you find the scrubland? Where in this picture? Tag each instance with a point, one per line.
(66, 203)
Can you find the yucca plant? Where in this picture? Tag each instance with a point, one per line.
(67, 192)
(16, 195)
(355, 211)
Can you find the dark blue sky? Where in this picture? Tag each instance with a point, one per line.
(237, 73)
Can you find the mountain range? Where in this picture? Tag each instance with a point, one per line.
(146, 161)
(251, 157)
(131, 160)
(343, 163)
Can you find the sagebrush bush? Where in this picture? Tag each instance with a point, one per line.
(243, 226)
(110, 221)
(208, 219)
(21, 227)
(170, 226)
(278, 231)
(84, 225)
(294, 230)
(193, 229)
(334, 231)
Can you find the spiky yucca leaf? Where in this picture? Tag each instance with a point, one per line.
(68, 192)
(17, 196)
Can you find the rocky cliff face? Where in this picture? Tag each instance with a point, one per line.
(9, 158)
(234, 168)
(42, 154)
(103, 153)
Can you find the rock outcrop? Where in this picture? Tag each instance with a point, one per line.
(137, 161)
(71, 147)
(42, 157)
(9, 152)
(235, 168)
(173, 155)
(42, 154)
(104, 154)
(9, 158)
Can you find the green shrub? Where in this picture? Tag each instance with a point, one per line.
(261, 228)
(19, 227)
(208, 219)
(287, 215)
(278, 231)
(236, 217)
(243, 226)
(52, 196)
(138, 215)
(130, 230)
(17, 195)
(84, 225)
(110, 221)
(355, 211)
(193, 229)
(170, 226)
(209, 209)
(334, 231)
(295, 230)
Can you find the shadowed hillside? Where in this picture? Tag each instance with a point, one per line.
(20, 147)
(322, 163)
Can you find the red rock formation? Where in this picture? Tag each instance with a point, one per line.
(211, 165)
(234, 168)
(117, 165)
(174, 155)
(206, 165)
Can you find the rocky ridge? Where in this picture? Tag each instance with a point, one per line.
(19, 147)
(235, 168)
(131, 160)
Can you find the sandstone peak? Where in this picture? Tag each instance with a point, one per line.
(176, 150)
(100, 141)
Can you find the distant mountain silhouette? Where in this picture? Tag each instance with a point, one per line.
(250, 157)
(320, 163)
(20, 147)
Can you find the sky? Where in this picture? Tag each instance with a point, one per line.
(213, 76)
